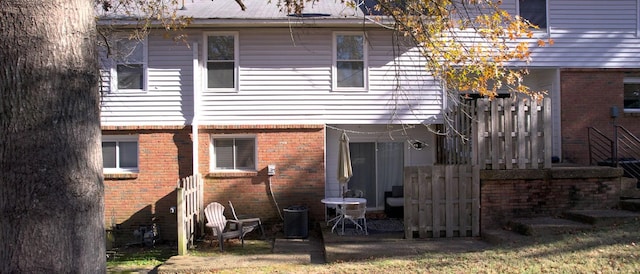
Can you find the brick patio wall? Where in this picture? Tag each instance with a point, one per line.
(508, 194)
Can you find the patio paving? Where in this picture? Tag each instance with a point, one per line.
(324, 246)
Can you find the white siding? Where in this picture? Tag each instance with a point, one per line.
(285, 78)
(591, 34)
(168, 99)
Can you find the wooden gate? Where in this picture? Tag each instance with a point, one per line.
(442, 201)
(190, 211)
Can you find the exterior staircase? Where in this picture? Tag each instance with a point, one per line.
(573, 221)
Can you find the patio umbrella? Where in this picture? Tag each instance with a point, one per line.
(344, 162)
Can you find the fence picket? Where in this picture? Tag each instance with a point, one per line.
(190, 211)
(507, 133)
(442, 200)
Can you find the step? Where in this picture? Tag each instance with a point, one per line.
(546, 226)
(602, 217)
(630, 205)
(629, 188)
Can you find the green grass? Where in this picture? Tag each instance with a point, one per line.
(607, 250)
(140, 256)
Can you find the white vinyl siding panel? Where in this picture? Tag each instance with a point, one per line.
(591, 34)
(168, 99)
(285, 81)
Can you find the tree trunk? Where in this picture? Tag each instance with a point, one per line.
(51, 188)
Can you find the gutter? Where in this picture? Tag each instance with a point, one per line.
(262, 22)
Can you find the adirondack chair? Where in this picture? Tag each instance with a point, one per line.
(248, 224)
(220, 226)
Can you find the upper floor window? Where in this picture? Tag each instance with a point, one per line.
(350, 63)
(632, 94)
(120, 153)
(233, 153)
(535, 11)
(222, 61)
(130, 58)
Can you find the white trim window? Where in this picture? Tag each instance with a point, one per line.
(120, 153)
(129, 69)
(632, 94)
(535, 11)
(350, 70)
(237, 152)
(221, 57)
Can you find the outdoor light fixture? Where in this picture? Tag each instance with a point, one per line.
(417, 145)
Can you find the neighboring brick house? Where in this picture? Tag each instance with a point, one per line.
(261, 87)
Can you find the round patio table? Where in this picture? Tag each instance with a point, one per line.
(341, 202)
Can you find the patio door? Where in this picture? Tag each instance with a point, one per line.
(376, 167)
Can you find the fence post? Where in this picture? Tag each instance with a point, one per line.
(182, 237)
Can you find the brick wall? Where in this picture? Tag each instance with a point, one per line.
(586, 100)
(165, 155)
(512, 194)
(133, 200)
(297, 152)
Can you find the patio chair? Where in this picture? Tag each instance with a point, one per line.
(248, 224)
(353, 193)
(356, 214)
(220, 226)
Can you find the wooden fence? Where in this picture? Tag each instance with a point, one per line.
(503, 133)
(190, 211)
(442, 201)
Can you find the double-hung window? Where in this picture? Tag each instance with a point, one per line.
(130, 65)
(535, 11)
(233, 153)
(350, 62)
(120, 153)
(222, 61)
(632, 94)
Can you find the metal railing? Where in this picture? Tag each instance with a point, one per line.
(601, 147)
(628, 152)
(623, 150)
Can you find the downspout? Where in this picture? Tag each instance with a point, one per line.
(194, 135)
(196, 100)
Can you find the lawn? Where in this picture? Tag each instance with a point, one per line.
(607, 250)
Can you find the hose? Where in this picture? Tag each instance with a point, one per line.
(273, 196)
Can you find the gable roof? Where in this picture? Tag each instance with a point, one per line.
(263, 12)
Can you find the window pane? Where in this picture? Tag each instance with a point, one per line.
(350, 47)
(130, 76)
(109, 154)
(535, 11)
(220, 48)
(632, 95)
(245, 153)
(223, 149)
(130, 51)
(128, 154)
(220, 74)
(350, 74)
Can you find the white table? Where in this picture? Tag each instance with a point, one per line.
(341, 202)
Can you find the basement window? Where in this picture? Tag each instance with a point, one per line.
(120, 154)
(233, 153)
(632, 94)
